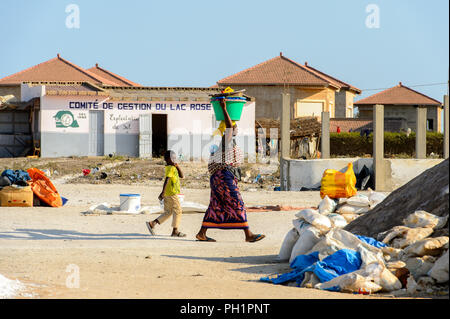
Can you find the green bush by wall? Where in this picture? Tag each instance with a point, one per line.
(395, 144)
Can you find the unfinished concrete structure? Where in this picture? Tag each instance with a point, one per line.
(390, 174)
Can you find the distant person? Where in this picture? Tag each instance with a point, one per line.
(338, 130)
(226, 208)
(169, 195)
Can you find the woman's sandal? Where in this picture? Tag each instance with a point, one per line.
(179, 234)
(150, 228)
(207, 238)
(256, 238)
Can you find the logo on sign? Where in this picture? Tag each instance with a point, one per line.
(65, 119)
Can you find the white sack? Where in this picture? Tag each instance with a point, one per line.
(349, 217)
(352, 209)
(327, 205)
(308, 238)
(382, 276)
(420, 266)
(393, 265)
(337, 220)
(428, 246)
(337, 239)
(375, 198)
(411, 285)
(300, 225)
(391, 252)
(421, 218)
(314, 218)
(288, 243)
(370, 256)
(359, 200)
(351, 282)
(404, 236)
(310, 280)
(440, 269)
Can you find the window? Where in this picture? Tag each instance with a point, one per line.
(430, 125)
(309, 108)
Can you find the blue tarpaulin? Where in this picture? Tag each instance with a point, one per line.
(371, 241)
(341, 262)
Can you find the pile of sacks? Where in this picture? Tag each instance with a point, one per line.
(323, 255)
(312, 224)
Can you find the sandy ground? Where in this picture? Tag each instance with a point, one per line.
(115, 257)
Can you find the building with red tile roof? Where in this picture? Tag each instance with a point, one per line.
(401, 101)
(55, 70)
(312, 91)
(59, 69)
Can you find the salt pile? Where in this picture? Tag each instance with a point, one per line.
(10, 288)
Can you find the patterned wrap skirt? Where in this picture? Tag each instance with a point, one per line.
(226, 208)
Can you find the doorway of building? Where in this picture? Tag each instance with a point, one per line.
(159, 134)
(96, 133)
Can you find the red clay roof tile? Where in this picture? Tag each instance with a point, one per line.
(54, 70)
(281, 70)
(119, 80)
(398, 95)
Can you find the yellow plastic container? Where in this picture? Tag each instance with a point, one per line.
(336, 184)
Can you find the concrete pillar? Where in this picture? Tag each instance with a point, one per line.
(285, 125)
(325, 138)
(446, 127)
(421, 132)
(285, 128)
(378, 147)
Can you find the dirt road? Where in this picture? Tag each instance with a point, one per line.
(115, 257)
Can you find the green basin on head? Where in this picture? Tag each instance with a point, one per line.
(234, 109)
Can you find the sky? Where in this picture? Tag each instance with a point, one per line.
(196, 43)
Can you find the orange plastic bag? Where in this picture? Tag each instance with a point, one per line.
(43, 188)
(336, 184)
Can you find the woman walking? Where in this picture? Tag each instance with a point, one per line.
(226, 209)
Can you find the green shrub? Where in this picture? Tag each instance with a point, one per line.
(395, 144)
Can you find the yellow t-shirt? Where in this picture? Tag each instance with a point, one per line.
(173, 184)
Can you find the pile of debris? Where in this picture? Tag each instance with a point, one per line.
(406, 257)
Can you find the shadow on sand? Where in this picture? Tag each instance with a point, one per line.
(264, 265)
(59, 234)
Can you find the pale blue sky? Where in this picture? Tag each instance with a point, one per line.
(196, 43)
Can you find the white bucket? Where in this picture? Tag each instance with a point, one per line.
(130, 202)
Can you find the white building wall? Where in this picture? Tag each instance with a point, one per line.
(190, 126)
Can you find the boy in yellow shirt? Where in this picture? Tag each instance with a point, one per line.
(170, 191)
